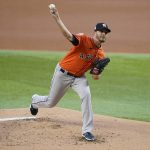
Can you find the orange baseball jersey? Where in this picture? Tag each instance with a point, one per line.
(80, 58)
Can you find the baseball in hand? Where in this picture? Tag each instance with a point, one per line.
(51, 6)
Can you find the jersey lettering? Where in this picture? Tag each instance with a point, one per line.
(86, 56)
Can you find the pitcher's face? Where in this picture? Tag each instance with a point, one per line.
(101, 36)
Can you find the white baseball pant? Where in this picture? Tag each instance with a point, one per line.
(59, 85)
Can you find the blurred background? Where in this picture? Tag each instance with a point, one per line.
(122, 91)
(28, 25)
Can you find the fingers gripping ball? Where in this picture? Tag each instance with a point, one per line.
(99, 65)
(52, 7)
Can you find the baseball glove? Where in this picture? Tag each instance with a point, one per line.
(99, 65)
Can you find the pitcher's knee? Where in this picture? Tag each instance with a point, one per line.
(86, 95)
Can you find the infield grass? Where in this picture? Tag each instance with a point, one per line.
(123, 90)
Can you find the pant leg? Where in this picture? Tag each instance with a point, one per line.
(81, 87)
(59, 85)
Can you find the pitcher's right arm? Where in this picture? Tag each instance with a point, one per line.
(64, 30)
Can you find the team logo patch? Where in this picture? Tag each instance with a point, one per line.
(104, 25)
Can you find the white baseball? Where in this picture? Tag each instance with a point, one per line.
(51, 6)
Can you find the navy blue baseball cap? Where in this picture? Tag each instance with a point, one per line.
(102, 27)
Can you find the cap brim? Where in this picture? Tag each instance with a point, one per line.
(109, 30)
(106, 30)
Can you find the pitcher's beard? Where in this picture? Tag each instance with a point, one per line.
(102, 39)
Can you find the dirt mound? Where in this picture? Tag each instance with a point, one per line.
(59, 128)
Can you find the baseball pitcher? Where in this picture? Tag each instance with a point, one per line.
(85, 54)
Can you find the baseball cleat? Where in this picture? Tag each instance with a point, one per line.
(88, 136)
(33, 111)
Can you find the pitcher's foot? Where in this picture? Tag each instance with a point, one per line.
(33, 111)
(88, 136)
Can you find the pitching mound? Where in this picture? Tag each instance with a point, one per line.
(57, 129)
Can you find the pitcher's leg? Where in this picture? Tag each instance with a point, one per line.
(59, 85)
(87, 113)
(81, 86)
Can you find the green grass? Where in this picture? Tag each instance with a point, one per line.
(123, 90)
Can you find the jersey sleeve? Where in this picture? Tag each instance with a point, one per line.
(79, 38)
(74, 40)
